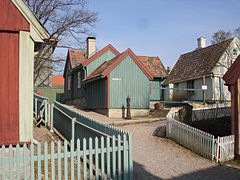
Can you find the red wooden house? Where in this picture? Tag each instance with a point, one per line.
(232, 79)
(19, 30)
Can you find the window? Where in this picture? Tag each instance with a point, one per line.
(176, 85)
(79, 80)
(190, 85)
(234, 52)
(69, 83)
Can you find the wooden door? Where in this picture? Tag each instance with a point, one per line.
(9, 88)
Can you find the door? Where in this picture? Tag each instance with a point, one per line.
(9, 88)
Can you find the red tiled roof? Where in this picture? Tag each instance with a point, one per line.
(154, 65)
(57, 80)
(197, 63)
(77, 57)
(106, 67)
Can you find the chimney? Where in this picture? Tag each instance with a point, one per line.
(201, 42)
(168, 69)
(91, 46)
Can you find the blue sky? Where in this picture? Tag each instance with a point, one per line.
(164, 28)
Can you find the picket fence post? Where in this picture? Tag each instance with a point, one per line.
(73, 130)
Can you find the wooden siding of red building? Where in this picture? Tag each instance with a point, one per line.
(9, 88)
(11, 19)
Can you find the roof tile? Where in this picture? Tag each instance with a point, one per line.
(197, 63)
(154, 65)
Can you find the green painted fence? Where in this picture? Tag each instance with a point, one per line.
(73, 125)
(40, 109)
(62, 116)
(57, 162)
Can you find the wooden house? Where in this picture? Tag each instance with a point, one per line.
(19, 31)
(205, 66)
(79, 64)
(232, 79)
(113, 81)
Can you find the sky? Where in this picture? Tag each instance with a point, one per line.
(163, 28)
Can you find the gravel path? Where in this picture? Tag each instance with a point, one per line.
(160, 158)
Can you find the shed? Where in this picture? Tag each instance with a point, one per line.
(19, 30)
(113, 81)
(232, 79)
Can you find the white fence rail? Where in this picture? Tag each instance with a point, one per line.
(192, 138)
(220, 149)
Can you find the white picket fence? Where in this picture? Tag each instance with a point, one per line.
(220, 149)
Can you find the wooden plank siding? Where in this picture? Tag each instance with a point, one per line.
(127, 79)
(156, 91)
(9, 88)
(105, 57)
(97, 94)
(78, 93)
(11, 19)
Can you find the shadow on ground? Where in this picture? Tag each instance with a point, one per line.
(219, 172)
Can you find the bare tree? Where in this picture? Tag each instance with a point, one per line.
(220, 36)
(67, 21)
(237, 32)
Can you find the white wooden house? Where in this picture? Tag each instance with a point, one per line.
(203, 66)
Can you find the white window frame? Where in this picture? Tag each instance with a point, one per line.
(69, 83)
(79, 80)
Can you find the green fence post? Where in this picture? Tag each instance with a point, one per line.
(51, 118)
(130, 156)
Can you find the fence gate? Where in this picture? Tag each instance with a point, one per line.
(225, 148)
(40, 109)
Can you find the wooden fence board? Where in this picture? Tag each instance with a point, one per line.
(221, 149)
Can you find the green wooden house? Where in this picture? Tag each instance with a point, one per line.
(113, 81)
(79, 64)
(139, 77)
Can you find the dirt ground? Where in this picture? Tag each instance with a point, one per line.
(160, 158)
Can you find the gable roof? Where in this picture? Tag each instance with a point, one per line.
(99, 53)
(57, 80)
(77, 57)
(106, 67)
(233, 73)
(197, 63)
(38, 31)
(154, 65)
